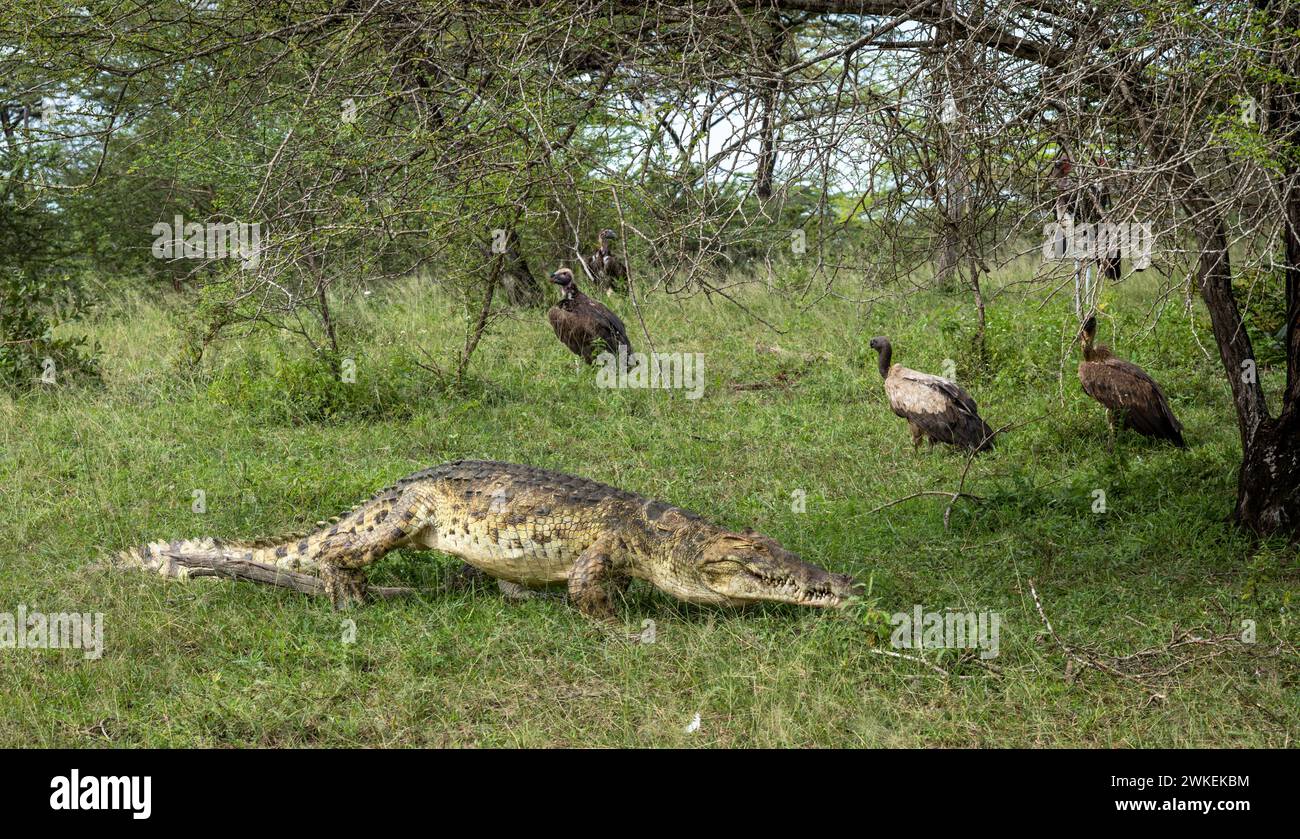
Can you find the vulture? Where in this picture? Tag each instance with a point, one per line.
(1126, 389)
(605, 267)
(585, 325)
(934, 407)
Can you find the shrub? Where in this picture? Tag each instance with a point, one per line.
(282, 387)
(30, 354)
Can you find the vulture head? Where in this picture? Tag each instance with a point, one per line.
(563, 277)
(1088, 332)
(885, 351)
(740, 568)
(1091, 351)
(608, 235)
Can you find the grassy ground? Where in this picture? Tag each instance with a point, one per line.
(274, 447)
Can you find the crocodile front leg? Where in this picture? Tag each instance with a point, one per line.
(345, 556)
(594, 576)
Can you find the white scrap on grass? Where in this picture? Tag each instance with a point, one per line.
(695, 724)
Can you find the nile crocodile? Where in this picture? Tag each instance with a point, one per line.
(529, 527)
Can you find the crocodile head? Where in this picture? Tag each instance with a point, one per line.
(739, 568)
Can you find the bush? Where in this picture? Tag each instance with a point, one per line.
(285, 388)
(30, 354)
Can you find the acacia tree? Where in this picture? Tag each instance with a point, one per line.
(1155, 93)
(698, 125)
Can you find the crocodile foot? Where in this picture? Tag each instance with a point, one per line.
(465, 578)
(346, 587)
(517, 593)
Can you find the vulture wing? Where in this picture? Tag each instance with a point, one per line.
(1127, 389)
(606, 325)
(940, 408)
(572, 330)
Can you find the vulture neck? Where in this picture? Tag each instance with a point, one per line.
(1096, 352)
(886, 353)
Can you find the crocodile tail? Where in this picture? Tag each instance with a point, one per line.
(184, 558)
(193, 557)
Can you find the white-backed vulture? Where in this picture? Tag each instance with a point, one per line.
(584, 325)
(1126, 389)
(935, 408)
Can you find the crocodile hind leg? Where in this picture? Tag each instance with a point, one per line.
(464, 578)
(345, 586)
(594, 577)
(345, 555)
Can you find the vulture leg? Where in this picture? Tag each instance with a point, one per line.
(917, 434)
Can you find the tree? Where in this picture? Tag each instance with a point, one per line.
(1159, 88)
(376, 138)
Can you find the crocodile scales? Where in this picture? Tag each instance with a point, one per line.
(533, 527)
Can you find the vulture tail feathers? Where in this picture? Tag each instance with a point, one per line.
(1156, 421)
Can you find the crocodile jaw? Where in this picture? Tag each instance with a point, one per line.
(826, 591)
(737, 569)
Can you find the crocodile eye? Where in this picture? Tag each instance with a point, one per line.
(728, 560)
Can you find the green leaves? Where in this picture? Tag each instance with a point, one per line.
(30, 353)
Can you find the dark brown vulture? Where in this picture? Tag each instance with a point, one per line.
(1127, 390)
(605, 267)
(585, 325)
(934, 407)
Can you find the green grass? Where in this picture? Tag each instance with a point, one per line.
(275, 447)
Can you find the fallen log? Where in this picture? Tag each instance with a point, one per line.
(218, 564)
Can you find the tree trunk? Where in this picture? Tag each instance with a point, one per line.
(1268, 487)
(517, 280)
(981, 321)
(945, 258)
(769, 101)
(1268, 484)
(480, 325)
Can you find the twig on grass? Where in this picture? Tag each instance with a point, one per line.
(944, 493)
(936, 668)
(1115, 665)
(954, 495)
(970, 458)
